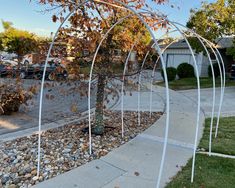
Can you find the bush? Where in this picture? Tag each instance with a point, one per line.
(171, 73)
(11, 97)
(216, 70)
(185, 70)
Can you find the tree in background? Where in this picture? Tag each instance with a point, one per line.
(213, 20)
(17, 41)
(1, 42)
(89, 24)
(231, 51)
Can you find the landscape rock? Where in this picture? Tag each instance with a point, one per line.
(65, 148)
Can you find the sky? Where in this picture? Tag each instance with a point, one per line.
(29, 15)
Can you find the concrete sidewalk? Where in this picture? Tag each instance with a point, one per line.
(136, 164)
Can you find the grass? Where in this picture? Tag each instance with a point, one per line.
(191, 83)
(211, 171)
(225, 141)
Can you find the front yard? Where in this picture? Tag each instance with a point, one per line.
(211, 171)
(191, 83)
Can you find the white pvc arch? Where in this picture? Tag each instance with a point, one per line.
(42, 85)
(213, 105)
(166, 83)
(89, 89)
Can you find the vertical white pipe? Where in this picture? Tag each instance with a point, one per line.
(222, 96)
(152, 76)
(90, 77)
(153, 73)
(222, 80)
(122, 89)
(42, 86)
(199, 98)
(166, 84)
(139, 85)
(213, 103)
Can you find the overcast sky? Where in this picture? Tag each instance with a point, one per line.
(27, 16)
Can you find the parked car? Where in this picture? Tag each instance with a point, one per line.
(53, 72)
(11, 62)
(8, 70)
(34, 58)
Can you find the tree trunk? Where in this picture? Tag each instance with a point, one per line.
(99, 112)
(98, 129)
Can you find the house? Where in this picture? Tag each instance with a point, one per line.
(179, 52)
(222, 45)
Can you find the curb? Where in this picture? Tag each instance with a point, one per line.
(52, 125)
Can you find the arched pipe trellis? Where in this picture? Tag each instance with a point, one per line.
(89, 115)
(195, 144)
(42, 85)
(222, 97)
(92, 66)
(166, 84)
(42, 88)
(198, 92)
(198, 106)
(222, 79)
(152, 76)
(217, 53)
(139, 78)
(122, 89)
(90, 77)
(213, 79)
(213, 106)
(162, 60)
(222, 74)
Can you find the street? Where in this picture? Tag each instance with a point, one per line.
(59, 106)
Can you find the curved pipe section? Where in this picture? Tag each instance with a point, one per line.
(42, 85)
(213, 79)
(199, 95)
(122, 89)
(222, 96)
(152, 76)
(90, 77)
(166, 84)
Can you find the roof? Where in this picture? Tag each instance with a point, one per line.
(225, 42)
(181, 44)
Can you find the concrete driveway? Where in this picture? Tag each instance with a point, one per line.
(228, 108)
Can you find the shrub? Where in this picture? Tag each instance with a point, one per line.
(185, 70)
(171, 73)
(216, 70)
(11, 97)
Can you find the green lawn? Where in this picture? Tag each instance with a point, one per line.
(191, 83)
(212, 172)
(225, 141)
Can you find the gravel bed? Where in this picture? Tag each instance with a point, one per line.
(65, 148)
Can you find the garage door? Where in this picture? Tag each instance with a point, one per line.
(174, 60)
